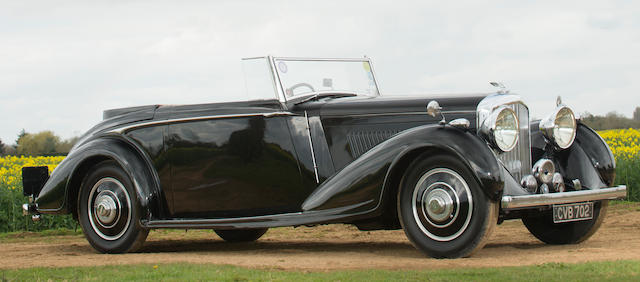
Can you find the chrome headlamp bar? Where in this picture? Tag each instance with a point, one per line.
(559, 128)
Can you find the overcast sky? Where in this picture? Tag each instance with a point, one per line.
(63, 62)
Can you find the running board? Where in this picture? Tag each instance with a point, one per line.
(342, 214)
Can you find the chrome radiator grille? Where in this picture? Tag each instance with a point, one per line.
(518, 160)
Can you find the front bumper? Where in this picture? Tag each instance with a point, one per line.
(538, 200)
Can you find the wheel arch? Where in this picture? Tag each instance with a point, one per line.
(130, 159)
(75, 181)
(365, 182)
(136, 165)
(393, 180)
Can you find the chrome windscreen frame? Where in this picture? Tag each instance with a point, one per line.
(278, 83)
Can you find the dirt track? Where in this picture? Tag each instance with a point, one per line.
(333, 247)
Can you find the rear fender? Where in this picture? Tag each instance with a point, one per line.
(365, 180)
(59, 194)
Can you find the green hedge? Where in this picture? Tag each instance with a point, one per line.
(11, 218)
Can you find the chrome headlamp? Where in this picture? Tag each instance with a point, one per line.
(560, 127)
(502, 128)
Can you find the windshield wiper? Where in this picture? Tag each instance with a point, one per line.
(326, 94)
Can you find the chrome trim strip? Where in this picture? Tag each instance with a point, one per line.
(403, 114)
(275, 77)
(363, 59)
(253, 58)
(175, 120)
(528, 201)
(459, 112)
(313, 152)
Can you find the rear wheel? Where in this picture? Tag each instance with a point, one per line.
(442, 208)
(108, 210)
(241, 235)
(543, 228)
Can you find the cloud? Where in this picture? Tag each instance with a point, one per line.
(63, 63)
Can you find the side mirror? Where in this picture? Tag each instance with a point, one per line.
(433, 108)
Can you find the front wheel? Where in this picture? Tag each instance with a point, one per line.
(442, 208)
(108, 210)
(543, 228)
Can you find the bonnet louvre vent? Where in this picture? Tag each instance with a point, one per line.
(362, 141)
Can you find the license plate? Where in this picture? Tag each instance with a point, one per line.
(572, 212)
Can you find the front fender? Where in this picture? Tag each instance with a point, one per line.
(59, 192)
(588, 159)
(364, 181)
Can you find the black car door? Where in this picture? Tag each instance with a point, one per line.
(232, 162)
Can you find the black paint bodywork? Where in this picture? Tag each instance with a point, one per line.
(588, 159)
(266, 163)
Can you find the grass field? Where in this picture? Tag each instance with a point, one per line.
(594, 271)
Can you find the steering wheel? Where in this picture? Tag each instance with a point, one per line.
(289, 91)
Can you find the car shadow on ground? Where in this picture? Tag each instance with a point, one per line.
(517, 245)
(168, 246)
(195, 246)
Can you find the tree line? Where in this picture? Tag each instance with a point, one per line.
(612, 120)
(44, 143)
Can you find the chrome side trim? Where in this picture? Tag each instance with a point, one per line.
(403, 114)
(528, 201)
(175, 120)
(313, 152)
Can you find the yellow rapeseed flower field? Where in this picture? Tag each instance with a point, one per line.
(11, 198)
(624, 143)
(11, 169)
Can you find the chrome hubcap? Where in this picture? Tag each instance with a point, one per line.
(109, 208)
(439, 205)
(442, 204)
(106, 208)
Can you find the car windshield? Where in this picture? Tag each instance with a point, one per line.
(299, 77)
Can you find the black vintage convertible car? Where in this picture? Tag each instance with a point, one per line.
(315, 143)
